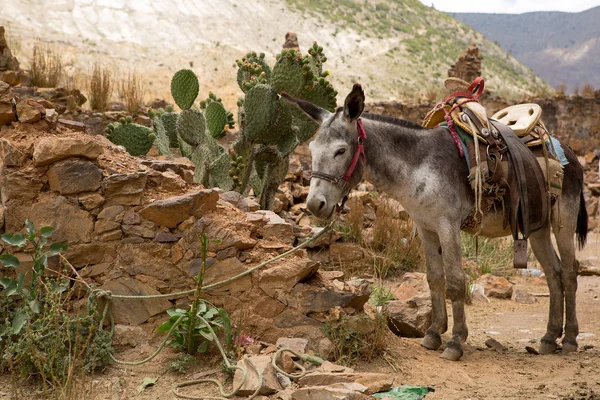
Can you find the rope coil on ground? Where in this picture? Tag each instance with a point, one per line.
(108, 296)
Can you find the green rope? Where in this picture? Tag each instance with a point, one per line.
(304, 357)
(98, 293)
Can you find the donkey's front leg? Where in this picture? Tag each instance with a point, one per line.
(456, 289)
(437, 287)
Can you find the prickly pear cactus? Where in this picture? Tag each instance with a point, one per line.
(184, 88)
(137, 139)
(218, 119)
(162, 140)
(169, 121)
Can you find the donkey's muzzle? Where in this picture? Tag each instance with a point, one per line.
(318, 206)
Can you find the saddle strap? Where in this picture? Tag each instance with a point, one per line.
(528, 194)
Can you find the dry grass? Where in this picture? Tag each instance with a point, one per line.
(434, 93)
(100, 87)
(561, 88)
(394, 240)
(587, 90)
(46, 66)
(355, 220)
(576, 91)
(494, 256)
(132, 91)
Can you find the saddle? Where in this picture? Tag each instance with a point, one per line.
(509, 162)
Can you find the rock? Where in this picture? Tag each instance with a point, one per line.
(90, 201)
(291, 41)
(329, 367)
(131, 218)
(222, 270)
(276, 228)
(72, 224)
(269, 308)
(125, 189)
(496, 345)
(523, 297)
(374, 382)
(478, 294)
(50, 150)
(284, 275)
(172, 182)
(7, 60)
(95, 270)
(262, 364)
(74, 176)
(27, 113)
(10, 155)
(113, 213)
(112, 235)
(328, 393)
(325, 349)
(496, 286)
(410, 314)
(89, 254)
(132, 336)
(468, 64)
(223, 234)
(296, 344)
(321, 300)
(145, 231)
(172, 211)
(345, 252)
(73, 125)
(134, 312)
(7, 114)
(166, 237)
(105, 225)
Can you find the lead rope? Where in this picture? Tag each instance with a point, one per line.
(108, 296)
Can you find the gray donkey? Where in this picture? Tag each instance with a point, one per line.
(422, 169)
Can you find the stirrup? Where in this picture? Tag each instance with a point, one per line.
(520, 254)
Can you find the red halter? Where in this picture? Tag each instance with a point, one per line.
(359, 153)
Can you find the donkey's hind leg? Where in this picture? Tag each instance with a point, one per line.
(437, 286)
(565, 240)
(545, 254)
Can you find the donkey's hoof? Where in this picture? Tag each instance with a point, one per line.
(569, 347)
(547, 347)
(432, 341)
(453, 351)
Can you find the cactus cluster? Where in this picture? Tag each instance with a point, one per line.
(269, 127)
(137, 139)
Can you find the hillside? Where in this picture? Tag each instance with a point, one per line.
(397, 49)
(560, 47)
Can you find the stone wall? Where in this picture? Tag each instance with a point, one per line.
(133, 226)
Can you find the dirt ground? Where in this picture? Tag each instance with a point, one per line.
(481, 373)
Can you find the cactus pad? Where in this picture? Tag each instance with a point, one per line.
(184, 88)
(191, 127)
(137, 139)
(217, 119)
(162, 140)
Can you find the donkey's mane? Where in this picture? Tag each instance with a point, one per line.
(391, 120)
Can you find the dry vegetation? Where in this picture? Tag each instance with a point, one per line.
(132, 91)
(46, 66)
(587, 90)
(100, 87)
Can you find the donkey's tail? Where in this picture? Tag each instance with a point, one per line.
(582, 222)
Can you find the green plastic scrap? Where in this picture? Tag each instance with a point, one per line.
(405, 392)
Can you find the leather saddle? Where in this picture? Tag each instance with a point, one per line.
(506, 143)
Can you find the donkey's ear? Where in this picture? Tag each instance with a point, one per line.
(316, 113)
(354, 103)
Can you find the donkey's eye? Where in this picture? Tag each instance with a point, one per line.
(340, 152)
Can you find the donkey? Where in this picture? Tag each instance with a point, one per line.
(422, 169)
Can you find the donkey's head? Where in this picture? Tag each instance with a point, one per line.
(337, 157)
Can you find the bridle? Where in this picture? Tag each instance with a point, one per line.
(344, 180)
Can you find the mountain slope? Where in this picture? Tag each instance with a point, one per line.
(560, 47)
(398, 49)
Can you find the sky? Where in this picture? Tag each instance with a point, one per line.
(511, 6)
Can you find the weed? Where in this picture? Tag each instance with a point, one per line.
(587, 90)
(132, 91)
(393, 238)
(181, 363)
(380, 295)
(357, 337)
(493, 256)
(46, 66)
(353, 228)
(576, 91)
(100, 87)
(40, 336)
(193, 333)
